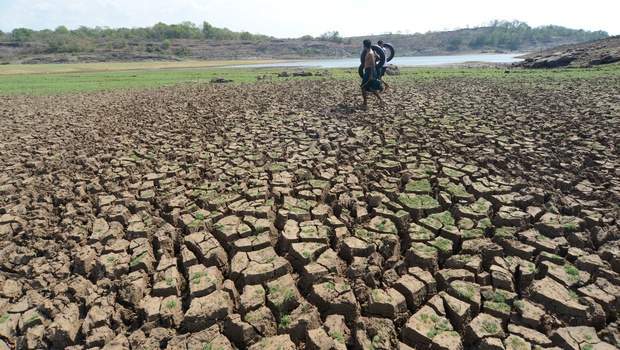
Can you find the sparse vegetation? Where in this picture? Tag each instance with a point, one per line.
(465, 291)
(498, 306)
(171, 304)
(135, 261)
(490, 327)
(285, 321)
(338, 336)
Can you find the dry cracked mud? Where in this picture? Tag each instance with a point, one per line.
(470, 214)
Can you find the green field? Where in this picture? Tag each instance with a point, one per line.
(54, 79)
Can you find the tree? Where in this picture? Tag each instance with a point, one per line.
(454, 43)
(21, 34)
(61, 30)
(333, 36)
(246, 36)
(207, 30)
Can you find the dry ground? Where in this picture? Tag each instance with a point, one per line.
(471, 213)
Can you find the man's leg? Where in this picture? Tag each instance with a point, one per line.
(379, 97)
(365, 97)
(386, 84)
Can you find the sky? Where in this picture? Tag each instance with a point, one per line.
(294, 18)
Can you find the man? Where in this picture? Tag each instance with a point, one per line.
(370, 81)
(384, 68)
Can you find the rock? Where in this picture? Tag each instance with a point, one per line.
(483, 326)
(258, 266)
(457, 311)
(262, 320)
(557, 298)
(576, 338)
(203, 281)
(205, 311)
(119, 343)
(318, 339)
(423, 256)
(220, 81)
(207, 249)
(468, 292)
(412, 289)
(513, 342)
(282, 295)
(392, 70)
(531, 335)
(425, 329)
(387, 303)
(491, 344)
(379, 332)
(280, 342)
(300, 321)
(171, 312)
(334, 298)
(239, 332)
(252, 298)
(337, 329)
(65, 328)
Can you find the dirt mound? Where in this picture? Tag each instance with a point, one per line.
(588, 54)
(223, 216)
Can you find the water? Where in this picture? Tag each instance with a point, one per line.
(417, 61)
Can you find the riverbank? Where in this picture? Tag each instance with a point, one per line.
(413, 61)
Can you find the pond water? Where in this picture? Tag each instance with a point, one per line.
(419, 61)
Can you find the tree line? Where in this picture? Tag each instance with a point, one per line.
(496, 35)
(515, 34)
(83, 38)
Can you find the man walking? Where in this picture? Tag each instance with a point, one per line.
(370, 81)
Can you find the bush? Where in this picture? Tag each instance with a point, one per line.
(333, 36)
(182, 51)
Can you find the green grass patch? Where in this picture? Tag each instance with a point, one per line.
(61, 83)
(490, 327)
(443, 244)
(571, 270)
(498, 306)
(465, 291)
(66, 78)
(337, 336)
(171, 304)
(285, 321)
(135, 261)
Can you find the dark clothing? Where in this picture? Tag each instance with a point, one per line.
(371, 84)
(382, 71)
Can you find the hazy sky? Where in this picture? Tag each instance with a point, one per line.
(293, 18)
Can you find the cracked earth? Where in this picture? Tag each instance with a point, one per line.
(470, 214)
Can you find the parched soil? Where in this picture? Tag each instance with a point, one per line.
(471, 213)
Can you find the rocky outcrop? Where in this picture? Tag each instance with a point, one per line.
(588, 54)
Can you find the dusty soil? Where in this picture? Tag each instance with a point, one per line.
(470, 213)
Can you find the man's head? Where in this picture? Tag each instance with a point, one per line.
(380, 43)
(367, 44)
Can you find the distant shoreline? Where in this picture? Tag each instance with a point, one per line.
(86, 67)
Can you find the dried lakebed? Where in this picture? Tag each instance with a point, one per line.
(471, 213)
